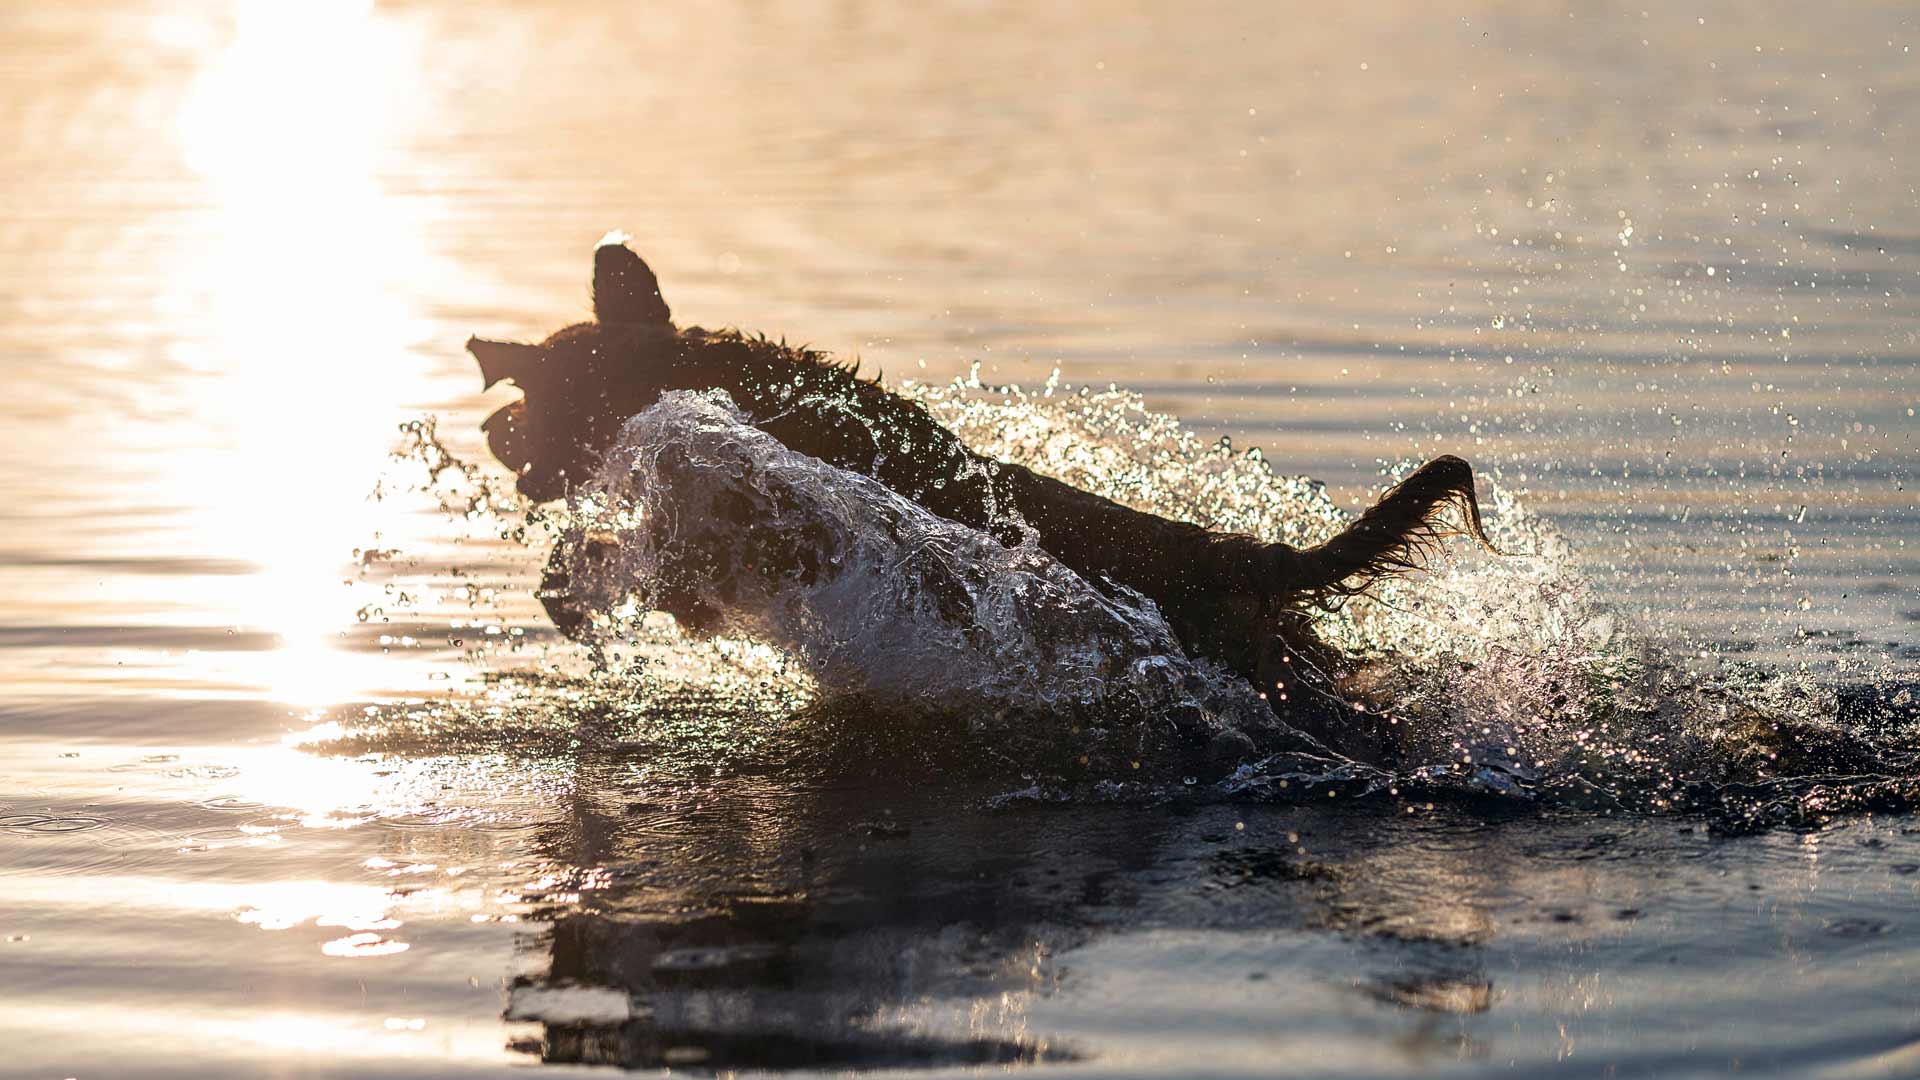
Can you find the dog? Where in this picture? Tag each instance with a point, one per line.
(1237, 600)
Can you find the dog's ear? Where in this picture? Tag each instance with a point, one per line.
(505, 360)
(624, 289)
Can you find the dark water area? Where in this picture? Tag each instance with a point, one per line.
(297, 780)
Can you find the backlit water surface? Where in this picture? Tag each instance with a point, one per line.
(295, 781)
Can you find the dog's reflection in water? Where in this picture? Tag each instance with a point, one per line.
(771, 982)
(753, 924)
(772, 928)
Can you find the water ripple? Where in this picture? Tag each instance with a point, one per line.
(38, 823)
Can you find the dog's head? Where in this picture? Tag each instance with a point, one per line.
(580, 384)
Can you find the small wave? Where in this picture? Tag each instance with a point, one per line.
(230, 802)
(37, 823)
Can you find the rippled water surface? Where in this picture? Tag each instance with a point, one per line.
(295, 778)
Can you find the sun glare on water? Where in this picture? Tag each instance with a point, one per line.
(309, 327)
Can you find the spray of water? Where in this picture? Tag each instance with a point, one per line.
(1504, 675)
(697, 513)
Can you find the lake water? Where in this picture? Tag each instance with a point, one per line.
(297, 781)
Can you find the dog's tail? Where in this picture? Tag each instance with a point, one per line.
(1398, 534)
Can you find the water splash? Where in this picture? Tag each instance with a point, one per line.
(700, 514)
(1508, 676)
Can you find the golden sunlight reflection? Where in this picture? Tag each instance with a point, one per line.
(357, 1036)
(308, 327)
(269, 905)
(283, 905)
(327, 792)
(322, 790)
(336, 1034)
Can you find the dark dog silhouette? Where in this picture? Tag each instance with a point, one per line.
(1238, 600)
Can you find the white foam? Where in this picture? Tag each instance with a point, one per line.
(699, 513)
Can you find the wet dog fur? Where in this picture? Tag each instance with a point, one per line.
(1232, 598)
